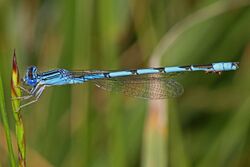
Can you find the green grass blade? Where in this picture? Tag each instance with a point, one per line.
(178, 154)
(16, 92)
(230, 139)
(6, 126)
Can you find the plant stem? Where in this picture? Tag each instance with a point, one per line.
(16, 92)
(6, 126)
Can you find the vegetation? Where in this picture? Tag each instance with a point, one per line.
(81, 125)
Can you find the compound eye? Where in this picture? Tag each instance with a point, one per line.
(30, 74)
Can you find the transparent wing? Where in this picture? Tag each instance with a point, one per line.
(150, 86)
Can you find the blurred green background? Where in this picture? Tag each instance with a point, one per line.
(83, 126)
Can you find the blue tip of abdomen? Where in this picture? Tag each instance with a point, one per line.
(226, 66)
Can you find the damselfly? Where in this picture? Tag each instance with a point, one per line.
(149, 83)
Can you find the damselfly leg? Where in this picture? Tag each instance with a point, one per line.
(33, 95)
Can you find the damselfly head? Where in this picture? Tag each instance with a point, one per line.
(30, 77)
